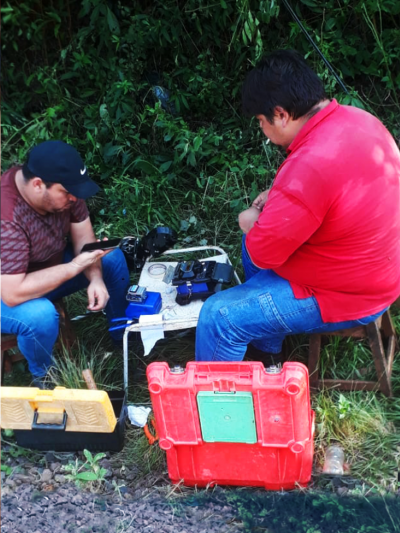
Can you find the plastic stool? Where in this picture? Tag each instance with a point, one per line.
(382, 340)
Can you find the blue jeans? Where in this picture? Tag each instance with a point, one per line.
(36, 323)
(261, 311)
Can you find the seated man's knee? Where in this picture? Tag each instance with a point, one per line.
(212, 306)
(45, 315)
(37, 317)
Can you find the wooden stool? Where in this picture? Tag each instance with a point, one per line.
(381, 336)
(66, 337)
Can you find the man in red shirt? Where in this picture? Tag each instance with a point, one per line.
(42, 204)
(321, 249)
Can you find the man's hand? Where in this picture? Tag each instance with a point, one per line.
(259, 202)
(248, 218)
(86, 259)
(97, 295)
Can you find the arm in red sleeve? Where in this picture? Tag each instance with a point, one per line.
(283, 226)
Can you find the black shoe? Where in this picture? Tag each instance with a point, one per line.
(42, 383)
(266, 358)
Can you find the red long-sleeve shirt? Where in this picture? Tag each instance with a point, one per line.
(331, 224)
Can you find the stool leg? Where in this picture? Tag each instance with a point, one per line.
(313, 360)
(66, 334)
(378, 354)
(389, 336)
(2, 367)
(6, 365)
(387, 325)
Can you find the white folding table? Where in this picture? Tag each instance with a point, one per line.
(174, 316)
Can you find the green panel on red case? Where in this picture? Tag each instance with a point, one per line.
(227, 416)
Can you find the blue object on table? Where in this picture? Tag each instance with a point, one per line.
(150, 306)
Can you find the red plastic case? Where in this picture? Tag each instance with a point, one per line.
(282, 452)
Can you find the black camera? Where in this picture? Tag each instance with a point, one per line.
(155, 243)
(202, 272)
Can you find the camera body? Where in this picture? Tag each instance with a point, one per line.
(197, 280)
(202, 272)
(155, 243)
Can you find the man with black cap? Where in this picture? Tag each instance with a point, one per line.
(42, 203)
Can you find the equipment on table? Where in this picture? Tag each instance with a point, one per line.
(149, 305)
(156, 242)
(234, 423)
(136, 294)
(157, 277)
(197, 280)
(64, 419)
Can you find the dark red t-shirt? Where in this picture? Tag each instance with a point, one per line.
(30, 241)
(331, 224)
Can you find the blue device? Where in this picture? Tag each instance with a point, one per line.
(151, 305)
(195, 291)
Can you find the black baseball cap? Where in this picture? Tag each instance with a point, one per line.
(59, 162)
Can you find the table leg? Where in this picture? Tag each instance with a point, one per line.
(125, 346)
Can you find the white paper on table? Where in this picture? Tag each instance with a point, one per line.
(151, 331)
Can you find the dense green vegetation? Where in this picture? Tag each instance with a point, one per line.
(90, 72)
(149, 92)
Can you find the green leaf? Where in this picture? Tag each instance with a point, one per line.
(86, 476)
(98, 457)
(110, 150)
(330, 23)
(185, 103)
(309, 3)
(184, 225)
(112, 22)
(197, 143)
(69, 75)
(6, 469)
(165, 166)
(103, 111)
(250, 20)
(146, 167)
(191, 159)
(88, 456)
(247, 30)
(357, 103)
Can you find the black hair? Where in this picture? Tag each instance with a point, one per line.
(283, 79)
(28, 175)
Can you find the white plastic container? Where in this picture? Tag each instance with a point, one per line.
(334, 459)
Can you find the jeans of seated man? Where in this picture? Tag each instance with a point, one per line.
(36, 322)
(262, 312)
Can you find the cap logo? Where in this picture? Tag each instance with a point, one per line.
(83, 171)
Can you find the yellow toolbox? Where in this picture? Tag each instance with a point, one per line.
(64, 419)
